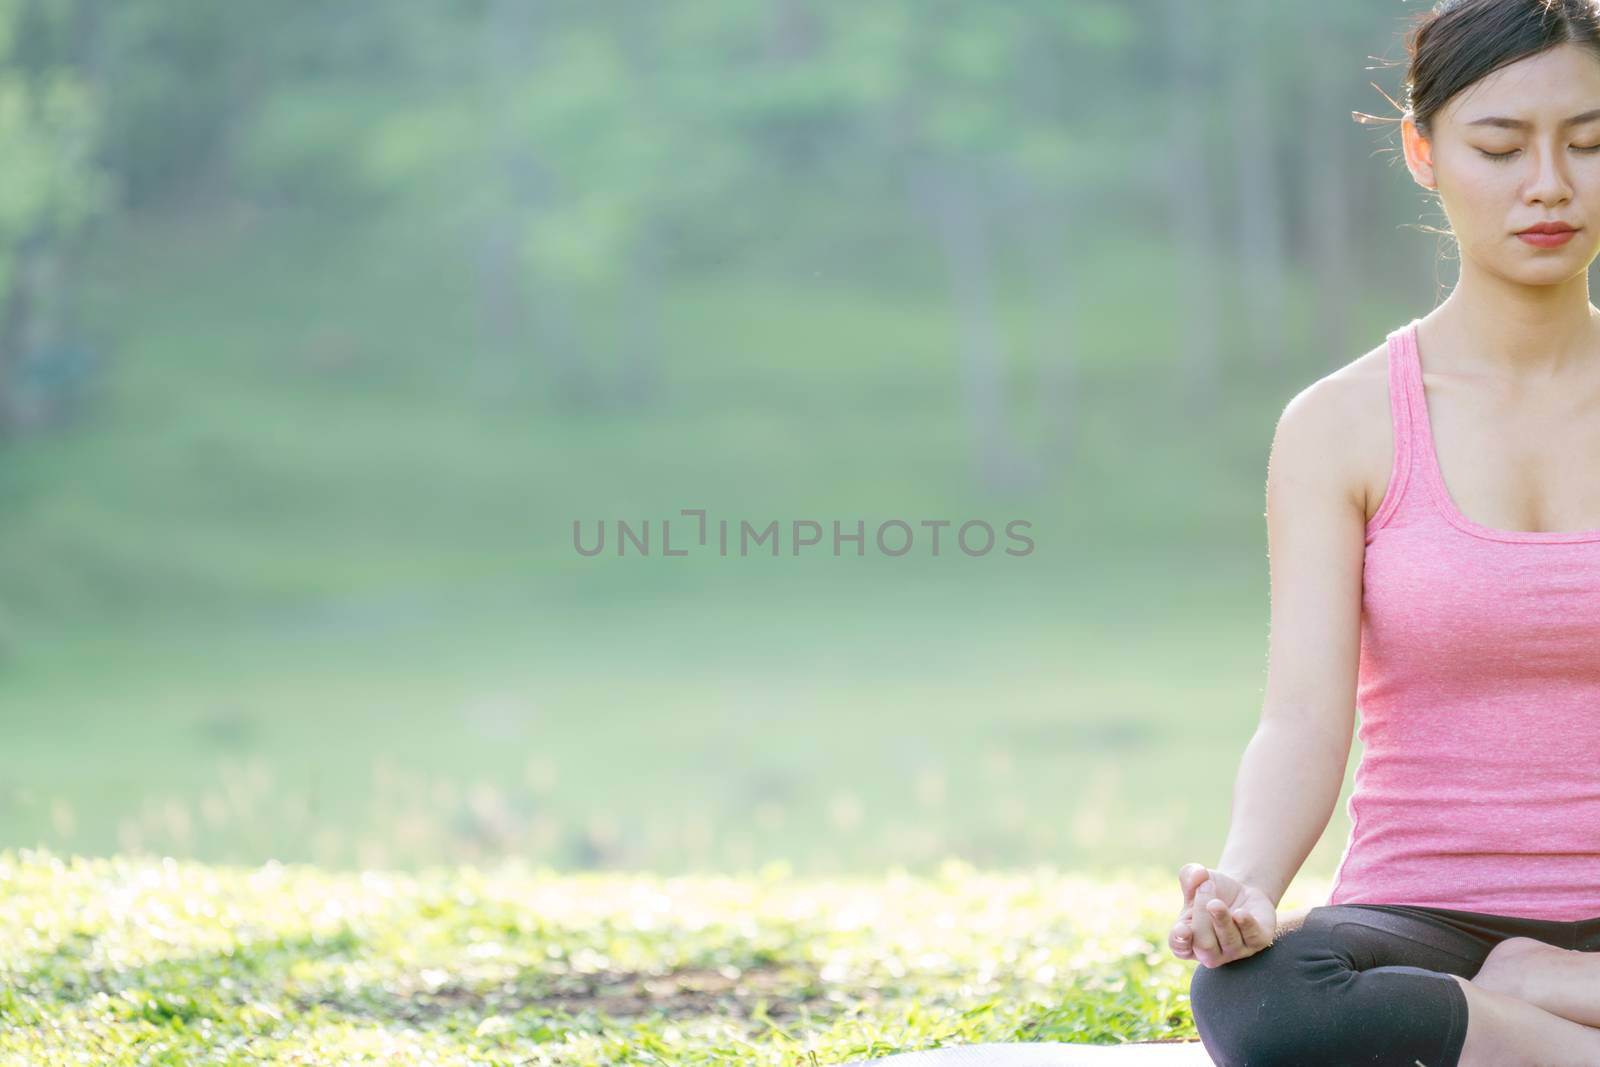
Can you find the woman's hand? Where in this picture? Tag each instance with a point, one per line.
(1222, 920)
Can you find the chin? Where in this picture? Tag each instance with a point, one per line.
(1549, 273)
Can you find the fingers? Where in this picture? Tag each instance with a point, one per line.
(1181, 940)
(1229, 938)
(1222, 920)
(1181, 937)
(1204, 941)
(1190, 875)
(1250, 928)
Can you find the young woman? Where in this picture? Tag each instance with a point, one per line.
(1433, 523)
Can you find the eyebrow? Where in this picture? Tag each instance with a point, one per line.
(1519, 124)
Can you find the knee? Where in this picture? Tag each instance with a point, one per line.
(1249, 1012)
(1509, 964)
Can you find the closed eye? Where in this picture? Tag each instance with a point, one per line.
(1500, 156)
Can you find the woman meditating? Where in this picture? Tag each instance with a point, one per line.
(1433, 525)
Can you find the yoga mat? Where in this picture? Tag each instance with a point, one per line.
(1052, 1054)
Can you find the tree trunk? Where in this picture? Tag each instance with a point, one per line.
(1193, 218)
(510, 29)
(641, 342)
(16, 316)
(1043, 233)
(1330, 143)
(950, 194)
(1259, 185)
(502, 324)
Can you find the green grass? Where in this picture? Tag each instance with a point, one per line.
(978, 735)
(135, 960)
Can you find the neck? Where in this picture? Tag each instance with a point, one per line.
(1507, 329)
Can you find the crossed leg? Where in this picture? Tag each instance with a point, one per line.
(1506, 1031)
(1562, 981)
(1380, 985)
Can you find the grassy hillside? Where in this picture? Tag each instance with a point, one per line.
(300, 588)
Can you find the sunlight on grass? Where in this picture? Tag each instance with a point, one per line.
(146, 960)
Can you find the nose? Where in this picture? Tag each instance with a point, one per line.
(1549, 184)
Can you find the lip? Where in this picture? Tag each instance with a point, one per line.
(1546, 240)
(1549, 227)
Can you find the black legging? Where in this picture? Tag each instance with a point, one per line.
(1359, 984)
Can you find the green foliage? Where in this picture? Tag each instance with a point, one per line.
(51, 184)
(46, 138)
(309, 144)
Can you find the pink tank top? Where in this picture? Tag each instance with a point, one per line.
(1479, 692)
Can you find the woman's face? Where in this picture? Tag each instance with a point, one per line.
(1504, 156)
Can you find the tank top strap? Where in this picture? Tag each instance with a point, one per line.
(1408, 423)
(1406, 366)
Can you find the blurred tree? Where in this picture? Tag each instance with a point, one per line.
(240, 101)
(582, 155)
(1259, 184)
(974, 116)
(638, 144)
(50, 187)
(560, 155)
(1332, 144)
(1191, 189)
(184, 79)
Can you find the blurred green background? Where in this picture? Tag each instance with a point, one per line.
(323, 324)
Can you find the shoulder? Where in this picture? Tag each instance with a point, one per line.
(1337, 431)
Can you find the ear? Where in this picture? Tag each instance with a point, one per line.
(1419, 153)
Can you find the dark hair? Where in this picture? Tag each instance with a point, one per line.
(1460, 41)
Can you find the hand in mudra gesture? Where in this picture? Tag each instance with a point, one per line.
(1222, 920)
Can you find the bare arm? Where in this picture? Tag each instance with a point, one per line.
(1288, 779)
(1289, 776)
